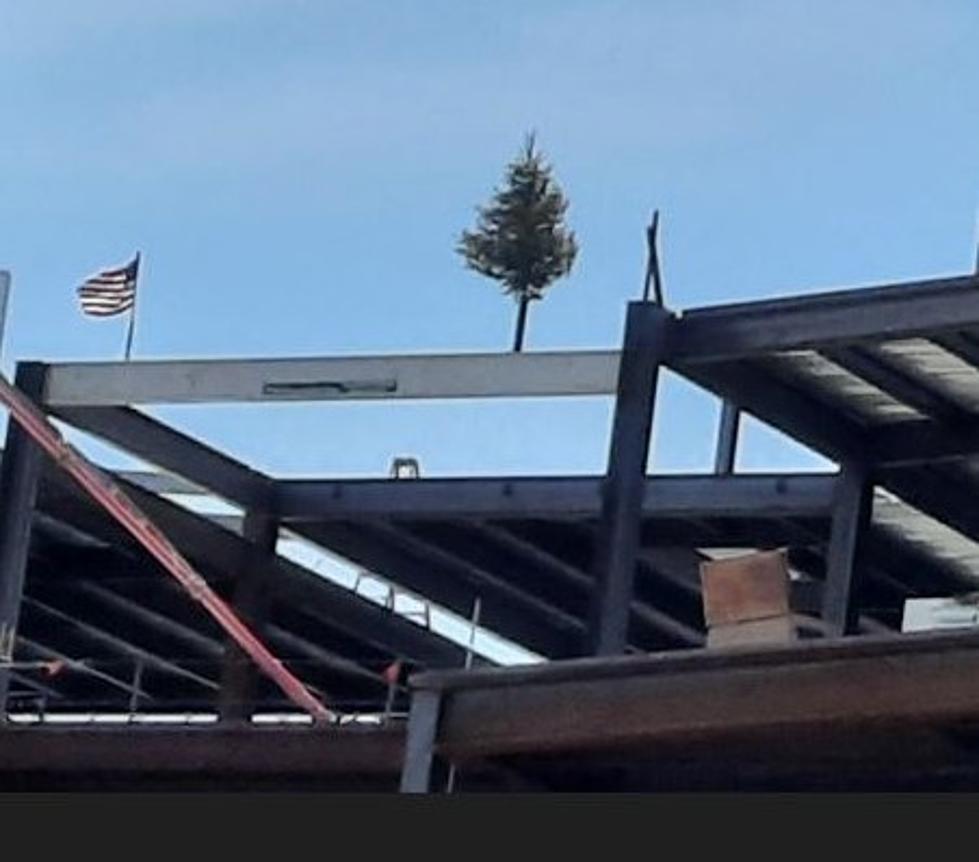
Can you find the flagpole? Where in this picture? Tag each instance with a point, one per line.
(976, 240)
(132, 313)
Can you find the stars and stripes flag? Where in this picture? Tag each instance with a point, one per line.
(111, 291)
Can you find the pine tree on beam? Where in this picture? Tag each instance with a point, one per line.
(520, 239)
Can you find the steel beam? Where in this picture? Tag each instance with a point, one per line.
(874, 369)
(530, 563)
(19, 474)
(782, 406)
(152, 620)
(119, 645)
(239, 680)
(727, 439)
(447, 579)
(644, 347)
(488, 375)
(203, 757)
(906, 310)
(964, 345)
(217, 549)
(327, 659)
(701, 335)
(295, 585)
(922, 441)
(573, 707)
(519, 497)
(851, 520)
(423, 720)
(172, 450)
(948, 499)
(301, 500)
(826, 430)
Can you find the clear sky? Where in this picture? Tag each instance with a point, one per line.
(296, 174)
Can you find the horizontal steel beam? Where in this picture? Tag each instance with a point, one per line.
(703, 496)
(698, 336)
(476, 375)
(903, 310)
(590, 704)
(210, 755)
(96, 634)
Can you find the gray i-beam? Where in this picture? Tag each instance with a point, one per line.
(852, 512)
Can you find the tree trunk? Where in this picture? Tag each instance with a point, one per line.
(524, 302)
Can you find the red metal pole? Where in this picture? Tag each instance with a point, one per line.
(114, 500)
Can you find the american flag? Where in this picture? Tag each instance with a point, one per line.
(111, 291)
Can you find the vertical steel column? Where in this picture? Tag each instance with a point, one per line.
(727, 439)
(19, 476)
(239, 678)
(852, 511)
(644, 347)
(423, 720)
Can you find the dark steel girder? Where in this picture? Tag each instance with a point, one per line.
(964, 345)
(715, 348)
(334, 605)
(945, 498)
(534, 497)
(570, 579)
(118, 645)
(153, 441)
(780, 405)
(587, 705)
(439, 578)
(830, 433)
(876, 370)
(816, 321)
(151, 619)
(212, 547)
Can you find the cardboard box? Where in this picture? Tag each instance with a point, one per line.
(746, 600)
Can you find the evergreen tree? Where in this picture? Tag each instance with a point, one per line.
(520, 238)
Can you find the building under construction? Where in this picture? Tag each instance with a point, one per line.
(115, 676)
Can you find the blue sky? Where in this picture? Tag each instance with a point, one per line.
(296, 174)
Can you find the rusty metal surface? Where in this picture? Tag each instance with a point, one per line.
(788, 690)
